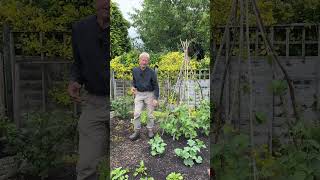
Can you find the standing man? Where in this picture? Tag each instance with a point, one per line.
(91, 50)
(146, 91)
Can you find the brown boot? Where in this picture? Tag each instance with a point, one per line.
(150, 133)
(135, 135)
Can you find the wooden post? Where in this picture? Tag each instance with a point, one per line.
(111, 86)
(256, 53)
(273, 97)
(241, 57)
(114, 85)
(227, 78)
(318, 73)
(43, 75)
(287, 42)
(303, 50)
(123, 87)
(17, 113)
(318, 42)
(15, 83)
(7, 72)
(2, 86)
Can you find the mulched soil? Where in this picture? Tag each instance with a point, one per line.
(127, 154)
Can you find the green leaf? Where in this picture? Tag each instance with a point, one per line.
(188, 162)
(199, 159)
(298, 175)
(260, 117)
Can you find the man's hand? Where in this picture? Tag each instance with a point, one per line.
(74, 91)
(133, 91)
(155, 102)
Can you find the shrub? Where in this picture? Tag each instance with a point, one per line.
(203, 116)
(179, 122)
(39, 144)
(122, 106)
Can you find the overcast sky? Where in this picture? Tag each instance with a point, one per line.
(126, 7)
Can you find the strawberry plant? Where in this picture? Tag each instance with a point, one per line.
(190, 153)
(157, 145)
(174, 176)
(140, 170)
(119, 174)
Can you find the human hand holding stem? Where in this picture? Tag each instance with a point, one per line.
(133, 90)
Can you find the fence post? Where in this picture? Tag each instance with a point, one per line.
(270, 140)
(15, 83)
(318, 73)
(43, 75)
(303, 50)
(256, 46)
(112, 90)
(2, 87)
(287, 41)
(7, 72)
(227, 83)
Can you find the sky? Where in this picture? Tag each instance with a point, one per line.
(126, 7)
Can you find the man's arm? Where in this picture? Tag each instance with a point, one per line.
(76, 75)
(155, 85)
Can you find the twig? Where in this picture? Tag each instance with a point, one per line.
(271, 51)
(251, 87)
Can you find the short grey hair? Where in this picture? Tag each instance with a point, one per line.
(145, 54)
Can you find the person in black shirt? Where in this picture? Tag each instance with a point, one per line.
(146, 91)
(90, 42)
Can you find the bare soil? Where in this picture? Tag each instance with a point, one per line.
(127, 154)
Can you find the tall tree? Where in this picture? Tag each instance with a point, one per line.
(297, 11)
(120, 42)
(162, 23)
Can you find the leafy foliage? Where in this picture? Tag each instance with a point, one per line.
(122, 106)
(120, 42)
(103, 169)
(179, 122)
(142, 170)
(168, 64)
(230, 157)
(174, 176)
(157, 145)
(182, 121)
(279, 87)
(190, 153)
(203, 116)
(59, 94)
(119, 174)
(39, 143)
(57, 16)
(299, 159)
(162, 30)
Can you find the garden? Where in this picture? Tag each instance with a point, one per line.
(180, 149)
(258, 118)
